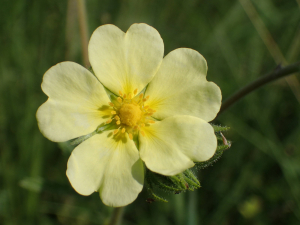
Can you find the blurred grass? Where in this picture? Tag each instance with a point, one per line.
(255, 182)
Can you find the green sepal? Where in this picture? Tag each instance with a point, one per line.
(212, 160)
(171, 184)
(99, 130)
(219, 128)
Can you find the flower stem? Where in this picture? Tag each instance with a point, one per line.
(83, 26)
(116, 216)
(277, 73)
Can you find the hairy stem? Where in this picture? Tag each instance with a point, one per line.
(116, 216)
(277, 73)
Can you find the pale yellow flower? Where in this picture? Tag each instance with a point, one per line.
(164, 104)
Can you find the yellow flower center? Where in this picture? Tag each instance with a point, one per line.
(130, 114)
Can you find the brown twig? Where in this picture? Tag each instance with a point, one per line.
(83, 26)
(277, 73)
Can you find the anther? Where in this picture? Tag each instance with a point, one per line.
(116, 131)
(141, 96)
(119, 99)
(130, 136)
(123, 130)
(118, 122)
(113, 112)
(111, 104)
(143, 133)
(124, 96)
(145, 99)
(108, 121)
(135, 91)
(120, 93)
(151, 121)
(130, 95)
(142, 124)
(146, 107)
(117, 117)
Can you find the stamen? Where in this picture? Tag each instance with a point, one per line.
(119, 100)
(113, 112)
(108, 121)
(141, 96)
(120, 93)
(117, 117)
(146, 107)
(145, 99)
(118, 122)
(142, 124)
(135, 91)
(111, 104)
(123, 130)
(130, 95)
(124, 96)
(151, 121)
(130, 136)
(116, 131)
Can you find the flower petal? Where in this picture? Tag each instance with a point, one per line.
(76, 103)
(180, 87)
(125, 62)
(109, 165)
(170, 146)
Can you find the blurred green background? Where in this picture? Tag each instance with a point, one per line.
(257, 181)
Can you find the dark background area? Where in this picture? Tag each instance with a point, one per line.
(255, 182)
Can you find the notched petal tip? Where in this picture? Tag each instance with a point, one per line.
(75, 96)
(125, 61)
(170, 146)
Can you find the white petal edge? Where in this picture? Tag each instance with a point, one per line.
(125, 62)
(180, 87)
(111, 167)
(170, 146)
(76, 103)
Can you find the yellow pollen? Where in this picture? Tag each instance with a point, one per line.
(129, 95)
(116, 131)
(123, 130)
(118, 122)
(141, 96)
(111, 104)
(119, 100)
(108, 121)
(113, 112)
(130, 136)
(124, 96)
(120, 93)
(130, 114)
(117, 118)
(135, 91)
(151, 121)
